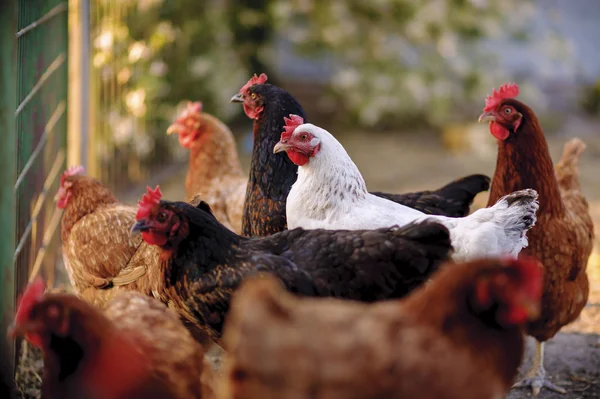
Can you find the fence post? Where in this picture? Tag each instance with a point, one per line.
(79, 83)
(8, 164)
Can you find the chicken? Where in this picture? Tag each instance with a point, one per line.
(214, 169)
(272, 175)
(330, 193)
(563, 236)
(459, 336)
(100, 255)
(202, 262)
(136, 349)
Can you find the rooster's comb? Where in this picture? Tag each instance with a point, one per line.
(507, 90)
(291, 124)
(148, 202)
(254, 80)
(72, 171)
(32, 295)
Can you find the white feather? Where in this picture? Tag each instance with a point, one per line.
(330, 193)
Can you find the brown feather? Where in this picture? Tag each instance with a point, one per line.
(215, 172)
(563, 236)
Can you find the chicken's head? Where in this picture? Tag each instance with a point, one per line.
(155, 221)
(188, 124)
(511, 293)
(251, 97)
(501, 111)
(25, 322)
(41, 315)
(64, 191)
(298, 140)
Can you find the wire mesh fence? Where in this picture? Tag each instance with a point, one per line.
(42, 49)
(33, 108)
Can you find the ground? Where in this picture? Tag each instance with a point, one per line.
(401, 163)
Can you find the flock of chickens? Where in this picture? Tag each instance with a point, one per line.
(313, 286)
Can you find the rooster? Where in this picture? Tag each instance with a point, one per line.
(330, 193)
(136, 349)
(202, 262)
(564, 234)
(214, 169)
(272, 175)
(458, 337)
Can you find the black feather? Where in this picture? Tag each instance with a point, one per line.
(205, 266)
(272, 175)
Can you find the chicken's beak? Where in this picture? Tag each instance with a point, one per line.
(139, 227)
(173, 129)
(22, 329)
(281, 146)
(238, 98)
(486, 117)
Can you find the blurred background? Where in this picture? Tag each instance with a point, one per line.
(399, 82)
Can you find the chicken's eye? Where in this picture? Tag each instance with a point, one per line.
(253, 96)
(303, 137)
(161, 216)
(507, 110)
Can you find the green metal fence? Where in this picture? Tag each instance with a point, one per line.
(34, 123)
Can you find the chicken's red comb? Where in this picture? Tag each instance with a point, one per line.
(72, 171)
(148, 202)
(193, 107)
(291, 124)
(188, 120)
(507, 90)
(254, 80)
(32, 295)
(531, 272)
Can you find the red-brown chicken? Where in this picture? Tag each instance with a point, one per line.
(460, 336)
(136, 349)
(563, 236)
(214, 169)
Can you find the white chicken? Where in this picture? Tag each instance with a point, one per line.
(330, 193)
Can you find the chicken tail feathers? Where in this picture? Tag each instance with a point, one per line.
(516, 214)
(465, 189)
(567, 173)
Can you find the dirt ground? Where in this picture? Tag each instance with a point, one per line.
(401, 163)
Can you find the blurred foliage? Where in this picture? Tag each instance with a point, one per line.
(390, 58)
(590, 101)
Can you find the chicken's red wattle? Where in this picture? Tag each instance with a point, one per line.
(499, 131)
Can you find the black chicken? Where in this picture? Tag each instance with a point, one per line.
(203, 262)
(272, 175)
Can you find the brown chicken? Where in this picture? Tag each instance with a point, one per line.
(563, 236)
(100, 254)
(460, 336)
(136, 349)
(214, 169)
